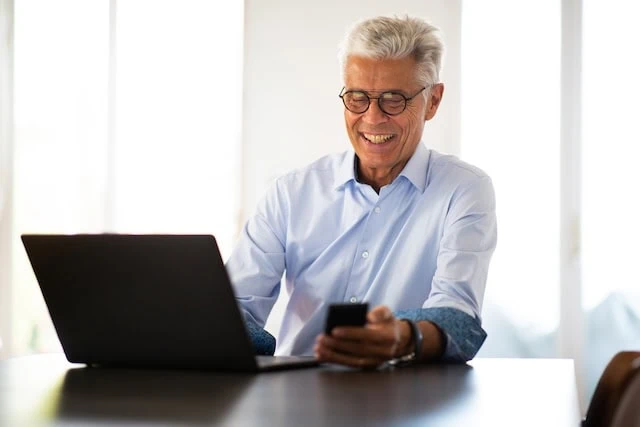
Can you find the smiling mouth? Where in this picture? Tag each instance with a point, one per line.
(377, 138)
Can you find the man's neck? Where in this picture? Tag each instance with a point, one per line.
(377, 177)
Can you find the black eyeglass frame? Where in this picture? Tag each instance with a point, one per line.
(342, 94)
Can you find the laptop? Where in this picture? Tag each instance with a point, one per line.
(145, 301)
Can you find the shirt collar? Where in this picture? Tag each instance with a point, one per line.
(346, 171)
(415, 170)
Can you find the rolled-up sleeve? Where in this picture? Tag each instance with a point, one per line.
(457, 290)
(463, 334)
(257, 264)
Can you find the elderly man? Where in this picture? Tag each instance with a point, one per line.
(391, 223)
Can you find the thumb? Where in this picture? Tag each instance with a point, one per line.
(379, 314)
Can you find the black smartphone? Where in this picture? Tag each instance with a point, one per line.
(346, 315)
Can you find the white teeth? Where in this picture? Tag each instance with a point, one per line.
(377, 139)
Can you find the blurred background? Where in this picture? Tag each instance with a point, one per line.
(145, 116)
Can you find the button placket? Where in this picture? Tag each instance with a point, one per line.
(361, 267)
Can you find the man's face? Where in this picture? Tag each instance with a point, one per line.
(384, 143)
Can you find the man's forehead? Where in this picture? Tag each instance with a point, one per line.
(380, 74)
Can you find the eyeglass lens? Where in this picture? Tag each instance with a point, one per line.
(389, 102)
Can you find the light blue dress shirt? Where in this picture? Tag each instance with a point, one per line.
(421, 247)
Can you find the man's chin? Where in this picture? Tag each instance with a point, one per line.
(374, 162)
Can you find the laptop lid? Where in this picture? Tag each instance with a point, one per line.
(141, 300)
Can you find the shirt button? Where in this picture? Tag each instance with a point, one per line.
(365, 254)
(353, 300)
(377, 209)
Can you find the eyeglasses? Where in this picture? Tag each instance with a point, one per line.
(391, 103)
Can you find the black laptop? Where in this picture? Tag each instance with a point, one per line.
(145, 300)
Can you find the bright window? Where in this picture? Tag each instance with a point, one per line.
(610, 176)
(611, 149)
(176, 134)
(510, 128)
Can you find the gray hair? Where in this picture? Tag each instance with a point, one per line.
(396, 38)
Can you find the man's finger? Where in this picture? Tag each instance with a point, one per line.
(326, 354)
(369, 333)
(380, 314)
(359, 348)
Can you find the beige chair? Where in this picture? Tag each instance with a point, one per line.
(616, 400)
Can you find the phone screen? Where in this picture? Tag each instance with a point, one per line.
(346, 315)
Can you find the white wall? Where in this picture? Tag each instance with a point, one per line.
(292, 114)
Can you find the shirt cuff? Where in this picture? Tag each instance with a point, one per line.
(463, 334)
(264, 344)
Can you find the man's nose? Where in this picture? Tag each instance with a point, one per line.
(374, 115)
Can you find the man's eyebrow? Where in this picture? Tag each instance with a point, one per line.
(349, 89)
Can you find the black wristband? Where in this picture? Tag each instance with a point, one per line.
(416, 335)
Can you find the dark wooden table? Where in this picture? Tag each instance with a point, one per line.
(47, 390)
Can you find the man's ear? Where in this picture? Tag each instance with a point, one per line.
(433, 101)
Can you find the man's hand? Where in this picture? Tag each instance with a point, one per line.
(383, 337)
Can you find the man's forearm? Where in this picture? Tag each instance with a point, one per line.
(448, 334)
(433, 341)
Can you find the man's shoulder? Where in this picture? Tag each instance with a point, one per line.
(447, 167)
(325, 170)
